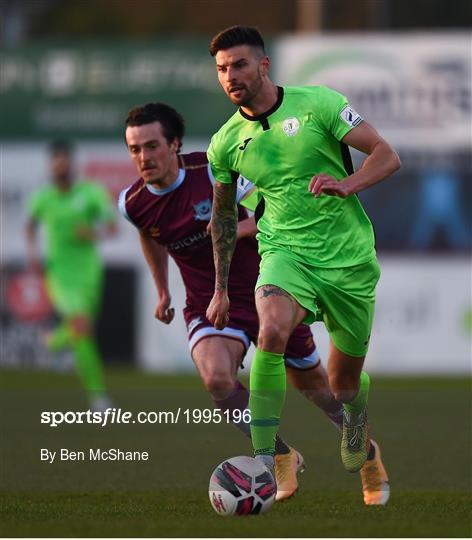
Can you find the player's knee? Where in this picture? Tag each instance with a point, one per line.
(219, 384)
(273, 336)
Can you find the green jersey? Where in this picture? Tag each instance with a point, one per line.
(279, 151)
(63, 213)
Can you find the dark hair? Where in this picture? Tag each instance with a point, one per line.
(236, 35)
(172, 122)
(61, 146)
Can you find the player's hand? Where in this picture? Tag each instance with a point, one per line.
(164, 312)
(324, 183)
(218, 310)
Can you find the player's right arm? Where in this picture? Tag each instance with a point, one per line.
(224, 225)
(34, 260)
(247, 196)
(157, 259)
(35, 210)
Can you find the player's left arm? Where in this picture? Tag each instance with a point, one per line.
(97, 232)
(381, 162)
(104, 223)
(106, 215)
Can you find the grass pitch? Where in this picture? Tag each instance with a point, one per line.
(423, 426)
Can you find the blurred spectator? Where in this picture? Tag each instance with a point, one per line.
(440, 211)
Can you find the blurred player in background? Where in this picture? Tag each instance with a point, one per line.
(171, 207)
(315, 240)
(75, 216)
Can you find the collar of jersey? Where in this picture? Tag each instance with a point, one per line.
(178, 182)
(259, 117)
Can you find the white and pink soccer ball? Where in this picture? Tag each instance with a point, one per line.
(241, 486)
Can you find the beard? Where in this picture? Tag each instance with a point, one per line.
(247, 93)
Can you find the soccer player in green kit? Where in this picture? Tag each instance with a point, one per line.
(315, 240)
(75, 216)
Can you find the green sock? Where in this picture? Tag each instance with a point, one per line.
(60, 338)
(88, 364)
(266, 399)
(359, 403)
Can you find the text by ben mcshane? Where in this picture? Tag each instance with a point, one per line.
(93, 454)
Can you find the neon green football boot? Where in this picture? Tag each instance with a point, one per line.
(355, 440)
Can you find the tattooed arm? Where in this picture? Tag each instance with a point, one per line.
(224, 224)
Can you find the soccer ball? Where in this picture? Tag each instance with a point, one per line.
(241, 486)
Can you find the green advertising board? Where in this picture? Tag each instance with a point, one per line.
(85, 91)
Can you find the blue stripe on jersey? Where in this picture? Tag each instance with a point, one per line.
(178, 182)
(122, 204)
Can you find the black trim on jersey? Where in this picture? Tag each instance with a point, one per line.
(265, 124)
(259, 211)
(347, 162)
(263, 118)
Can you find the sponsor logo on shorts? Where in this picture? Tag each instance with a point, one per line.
(350, 117)
(291, 126)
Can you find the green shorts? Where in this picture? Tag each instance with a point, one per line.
(76, 295)
(344, 298)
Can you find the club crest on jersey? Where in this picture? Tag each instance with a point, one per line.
(203, 210)
(291, 126)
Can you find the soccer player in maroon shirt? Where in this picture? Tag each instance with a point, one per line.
(170, 205)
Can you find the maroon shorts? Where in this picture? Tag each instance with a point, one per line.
(243, 325)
